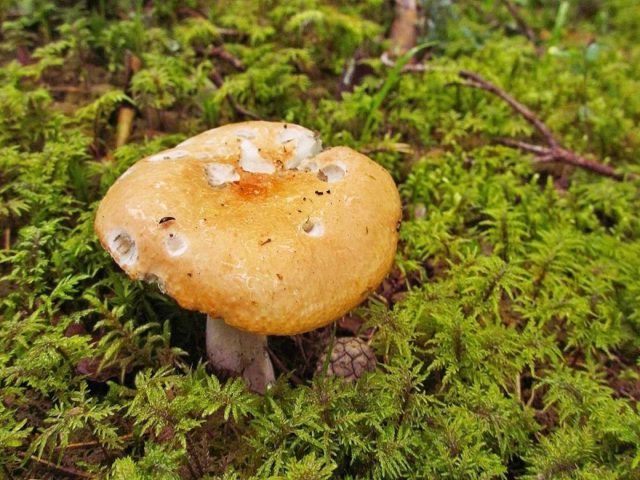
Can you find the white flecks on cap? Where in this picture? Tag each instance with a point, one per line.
(247, 133)
(308, 165)
(313, 227)
(123, 246)
(175, 244)
(169, 155)
(307, 144)
(219, 174)
(252, 161)
(331, 173)
(289, 133)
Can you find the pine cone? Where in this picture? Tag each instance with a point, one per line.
(350, 359)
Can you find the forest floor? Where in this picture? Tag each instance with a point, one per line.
(507, 335)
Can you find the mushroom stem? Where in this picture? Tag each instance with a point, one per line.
(235, 352)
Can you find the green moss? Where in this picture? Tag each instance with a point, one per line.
(514, 352)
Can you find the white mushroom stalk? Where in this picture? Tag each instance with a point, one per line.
(258, 227)
(238, 353)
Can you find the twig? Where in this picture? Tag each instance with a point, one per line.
(409, 67)
(72, 472)
(193, 473)
(192, 12)
(554, 152)
(7, 238)
(403, 37)
(476, 81)
(563, 155)
(222, 54)
(298, 340)
(67, 89)
(274, 358)
(524, 146)
(218, 81)
(523, 26)
(329, 350)
(195, 454)
(93, 443)
(23, 55)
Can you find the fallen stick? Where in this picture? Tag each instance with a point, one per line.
(69, 471)
(218, 81)
(476, 81)
(523, 26)
(403, 37)
(92, 443)
(553, 152)
(221, 53)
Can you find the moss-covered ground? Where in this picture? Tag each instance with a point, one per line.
(507, 336)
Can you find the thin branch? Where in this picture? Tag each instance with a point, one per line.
(68, 89)
(221, 53)
(329, 350)
(524, 146)
(191, 12)
(195, 13)
(523, 26)
(562, 155)
(403, 37)
(193, 473)
(554, 152)
(386, 60)
(218, 81)
(93, 443)
(476, 81)
(69, 471)
(275, 359)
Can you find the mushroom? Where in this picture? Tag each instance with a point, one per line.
(257, 227)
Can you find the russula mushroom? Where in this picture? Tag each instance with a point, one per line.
(258, 227)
